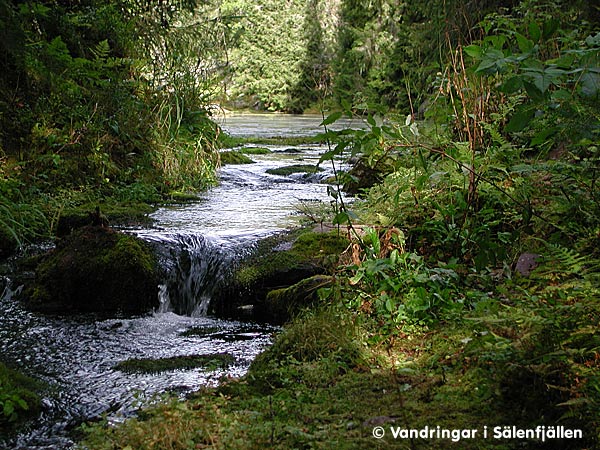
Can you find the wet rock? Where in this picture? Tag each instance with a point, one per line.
(296, 168)
(280, 305)
(526, 263)
(95, 269)
(278, 262)
(235, 157)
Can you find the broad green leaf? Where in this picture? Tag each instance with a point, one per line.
(542, 136)
(532, 90)
(561, 95)
(389, 305)
(549, 28)
(593, 41)
(519, 120)
(341, 218)
(474, 51)
(534, 31)
(590, 84)
(564, 62)
(331, 118)
(525, 45)
(511, 85)
(493, 61)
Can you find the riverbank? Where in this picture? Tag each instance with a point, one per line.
(328, 383)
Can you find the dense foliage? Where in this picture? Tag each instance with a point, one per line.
(105, 98)
(504, 172)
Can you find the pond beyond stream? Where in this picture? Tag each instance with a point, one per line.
(76, 355)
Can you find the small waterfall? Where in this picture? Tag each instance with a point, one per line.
(194, 267)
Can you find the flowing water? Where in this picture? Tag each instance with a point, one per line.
(197, 244)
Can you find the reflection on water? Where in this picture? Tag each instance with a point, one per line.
(276, 125)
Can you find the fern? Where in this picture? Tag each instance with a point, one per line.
(496, 136)
(101, 50)
(565, 262)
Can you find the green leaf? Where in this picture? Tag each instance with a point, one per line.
(341, 218)
(590, 84)
(389, 305)
(532, 90)
(542, 136)
(8, 409)
(519, 120)
(534, 31)
(331, 118)
(511, 85)
(549, 28)
(525, 45)
(474, 51)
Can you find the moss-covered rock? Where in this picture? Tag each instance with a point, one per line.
(278, 262)
(255, 150)
(295, 168)
(209, 362)
(96, 269)
(281, 305)
(235, 157)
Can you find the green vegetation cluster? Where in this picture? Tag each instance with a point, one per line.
(470, 296)
(208, 362)
(102, 100)
(375, 56)
(19, 397)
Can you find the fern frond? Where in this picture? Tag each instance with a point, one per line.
(567, 262)
(101, 51)
(496, 136)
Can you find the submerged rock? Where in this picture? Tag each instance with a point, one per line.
(296, 168)
(235, 157)
(96, 269)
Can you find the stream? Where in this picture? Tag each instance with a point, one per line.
(197, 243)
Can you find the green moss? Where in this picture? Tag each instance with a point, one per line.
(230, 142)
(296, 168)
(181, 197)
(319, 244)
(255, 150)
(96, 269)
(282, 304)
(210, 362)
(300, 249)
(235, 157)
